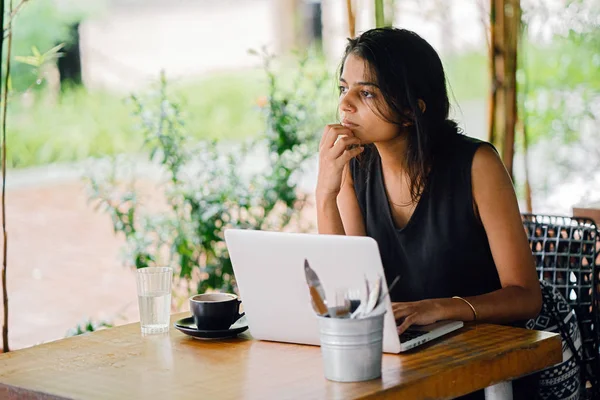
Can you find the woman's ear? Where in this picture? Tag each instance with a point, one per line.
(422, 106)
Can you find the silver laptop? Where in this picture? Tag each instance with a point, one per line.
(268, 268)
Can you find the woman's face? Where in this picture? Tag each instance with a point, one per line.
(361, 104)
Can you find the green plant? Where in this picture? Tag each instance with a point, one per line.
(467, 75)
(559, 90)
(563, 87)
(208, 185)
(44, 24)
(80, 124)
(83, 123)
(88, 326)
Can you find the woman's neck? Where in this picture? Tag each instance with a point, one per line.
(393, 154)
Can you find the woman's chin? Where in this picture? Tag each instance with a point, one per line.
(364, 140)
(359, 135)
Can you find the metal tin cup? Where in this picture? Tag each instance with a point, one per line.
(351, 348)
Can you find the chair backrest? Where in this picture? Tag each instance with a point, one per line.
(566, 251)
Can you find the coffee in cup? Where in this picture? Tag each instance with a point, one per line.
(215, 311)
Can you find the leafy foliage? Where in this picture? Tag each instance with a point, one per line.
(210, 186)
(88, 326)
(559, 86)
(44, 24)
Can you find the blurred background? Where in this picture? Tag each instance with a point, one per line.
(110, 153)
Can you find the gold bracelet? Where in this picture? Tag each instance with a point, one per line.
(470, 305)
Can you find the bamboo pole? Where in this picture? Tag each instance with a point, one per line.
(512, 11)
(505, 26)
(528, 201)
(351, 19)
(522, 118)
(379, 14)
(492, 75)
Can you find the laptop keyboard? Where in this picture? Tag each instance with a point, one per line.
(410, 335)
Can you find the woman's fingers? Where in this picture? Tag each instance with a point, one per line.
(331, 134)
(422, 312)
(324, 135)
(408, 321)
(342, 145)
(331, 166)
(350, 154)
(401, 310)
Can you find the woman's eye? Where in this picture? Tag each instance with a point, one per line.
(366, 94)
(343, 89)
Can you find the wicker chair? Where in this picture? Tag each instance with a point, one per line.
(566, 252)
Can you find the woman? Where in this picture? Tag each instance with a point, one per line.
(440, 205)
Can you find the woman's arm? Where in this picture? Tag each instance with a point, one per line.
(340, 214)
(334, 181)
(520, 296)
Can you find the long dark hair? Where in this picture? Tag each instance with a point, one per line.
(407, 69)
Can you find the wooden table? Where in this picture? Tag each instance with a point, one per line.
(120, 363)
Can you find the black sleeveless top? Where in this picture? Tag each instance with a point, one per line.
(443, 250)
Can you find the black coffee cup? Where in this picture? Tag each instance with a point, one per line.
(215, 311)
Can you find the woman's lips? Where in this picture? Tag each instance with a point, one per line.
(349, 124)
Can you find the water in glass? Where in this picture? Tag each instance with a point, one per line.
(154, 311)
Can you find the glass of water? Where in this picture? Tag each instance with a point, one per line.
(154, 298)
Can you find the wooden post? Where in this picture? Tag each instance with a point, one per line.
(505, 19)
(528, 200)
(351, 19)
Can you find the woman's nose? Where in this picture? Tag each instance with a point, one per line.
(346, 105)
